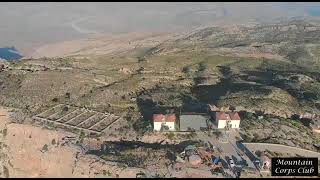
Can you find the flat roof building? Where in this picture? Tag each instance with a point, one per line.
(194, 122)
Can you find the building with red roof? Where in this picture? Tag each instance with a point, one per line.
(229, 120)
(164, 122)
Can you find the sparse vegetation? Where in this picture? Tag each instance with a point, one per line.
(45, 148)
(106, 173)
(6, 172)
(81, 136)
(281, 80)
(170, 135)
(4, 132)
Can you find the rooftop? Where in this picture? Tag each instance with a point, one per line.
(193, 121)
(234, 116)
(164, 118)
(227, 116)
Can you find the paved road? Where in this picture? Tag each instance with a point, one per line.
(237, 153)
(281, 148)
(229, 150)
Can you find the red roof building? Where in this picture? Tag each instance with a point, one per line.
(158, 118)
(234, 116)
(170, 118)
(221, 116)
(229, 120)
(160, 121)
(227, 116)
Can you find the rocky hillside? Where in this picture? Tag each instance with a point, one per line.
(294, 40)
(283, 74)
(272, 68)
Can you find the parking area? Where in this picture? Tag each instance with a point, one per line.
(227, 145)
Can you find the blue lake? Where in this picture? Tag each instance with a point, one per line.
(9, 53)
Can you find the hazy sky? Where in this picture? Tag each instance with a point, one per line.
(28, 23)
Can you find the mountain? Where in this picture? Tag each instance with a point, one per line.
(257, 67)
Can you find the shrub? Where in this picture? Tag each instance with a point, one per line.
(81, 136)
(186, 69)
(4, 132)
(45, 148)
(258, 153)
(68, 95)
(65, 108)
(170, 135)
(6, 172)
(53, 142)
(54, 100)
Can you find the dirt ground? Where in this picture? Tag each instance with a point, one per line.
(21, 154)
(102, 44)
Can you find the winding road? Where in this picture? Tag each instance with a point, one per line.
(281, 148)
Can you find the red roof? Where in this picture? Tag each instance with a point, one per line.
(164, 118)
(234, 116)
(171, 118)
(222, 116)
(229, 116)
(158, 117)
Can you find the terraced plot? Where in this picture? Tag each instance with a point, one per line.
(61, 112)
(104, 123)
(49, 112)
(68, 117)
(80, 118)
(92, 121)
(77, 118)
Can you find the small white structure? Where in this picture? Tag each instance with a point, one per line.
(229, 120)
(164, 122)
(265, 163)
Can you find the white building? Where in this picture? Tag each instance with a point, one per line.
(164, 122)
(231, 120)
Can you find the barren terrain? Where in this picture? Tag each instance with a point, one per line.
(100, 45)
(269, 69)
(21, 154)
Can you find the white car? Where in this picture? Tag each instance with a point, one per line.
(231, 163)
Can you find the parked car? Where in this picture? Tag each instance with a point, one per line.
(231, 163)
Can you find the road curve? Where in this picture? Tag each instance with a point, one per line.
(281, 148)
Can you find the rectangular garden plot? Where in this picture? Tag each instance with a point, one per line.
(62, 111)
(49, 112)
(104, 123)
(68, 117)
(92, 121)
(80, 118)
(72, 117)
